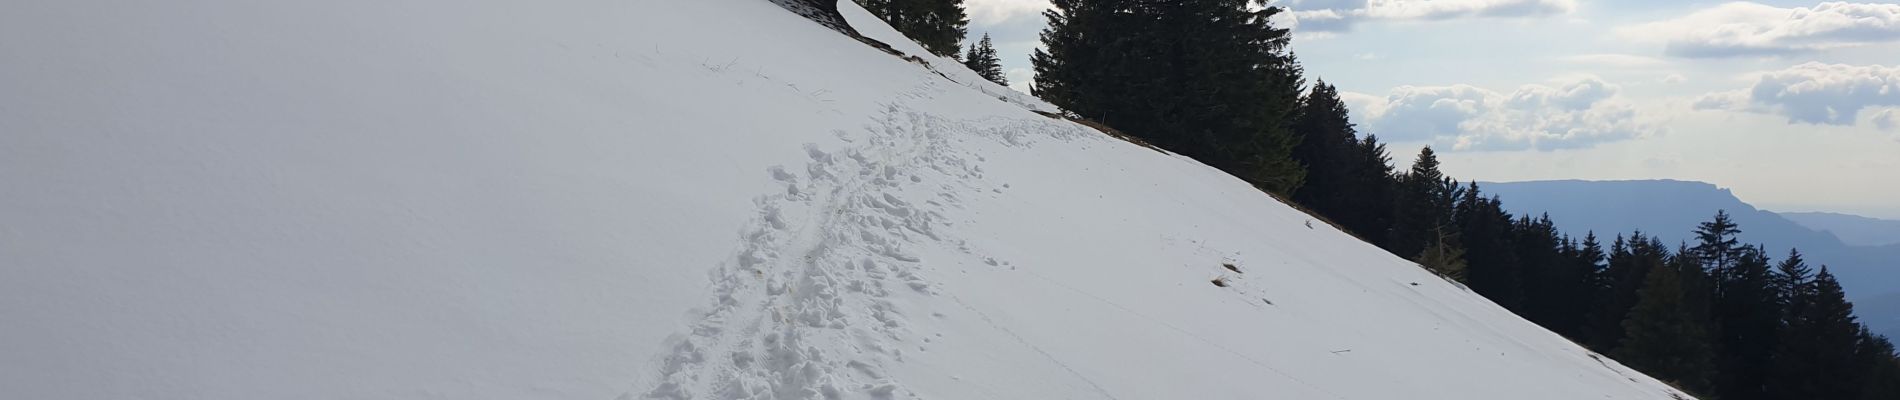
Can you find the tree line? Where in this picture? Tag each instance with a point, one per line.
(1214, 80)
(1714, 316)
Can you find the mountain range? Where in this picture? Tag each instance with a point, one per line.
(1671, 209)
(1853, 230)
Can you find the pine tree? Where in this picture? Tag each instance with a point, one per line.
(1716, 248)
(1075, 37)
(938, 25)
(982, 59)
(1748, 316)
(1880, 366)
(1492, 267)
(1836, 338)
(1541, 273)
(1664, 338)
(1590, 259)
(1817, 355)
(1606, 317)
(1327, 144)
(1210, 79)
(1698, 289)
(942, 29)
(1555, 282)
(1420, 206)
(1443, 256)
(1370, 207)
(1630, 262)
(1791, 277)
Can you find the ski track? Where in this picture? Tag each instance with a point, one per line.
(820, 266)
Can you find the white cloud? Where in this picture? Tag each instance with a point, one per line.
(1750, 29)
(1340, 15)
(1575, 114)
(1672, 79)
(1815, 93)
(1446, 9)
(1614, 60)
(990, 12)
(1305, 21)
(1887, 120)
(1020, 79)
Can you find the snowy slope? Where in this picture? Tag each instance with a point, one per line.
(675, 199)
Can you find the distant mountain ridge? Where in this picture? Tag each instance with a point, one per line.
(1853, 230)
(1670, 210)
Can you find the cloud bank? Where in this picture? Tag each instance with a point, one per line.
(1577, 114)
(1750, 29)
(1341, 15)
(1816, 93)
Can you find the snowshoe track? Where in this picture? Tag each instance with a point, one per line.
(822, 262)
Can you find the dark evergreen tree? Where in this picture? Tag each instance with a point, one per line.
(1698, 288)
(1370, 183)
(982, 59)
(1630, 263)
(1556, 286)
(1327, 145)
(1076, 64)
(1361, 186)
(938, 25)
(1420, 204)
(1663, 334)
(1210, 79)
(1444, 256)
(1791, 274)
(1591, 258)
(941, 30)
(1492, 267)
(1716, 247)
(1534, 246)
(1880, 366)
(1748, 316)
(1817, 357)
(1605, 329)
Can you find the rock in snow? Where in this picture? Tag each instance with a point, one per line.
(704, 199)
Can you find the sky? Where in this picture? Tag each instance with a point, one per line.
(1793, 105)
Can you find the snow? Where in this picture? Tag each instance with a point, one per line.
(672, 199)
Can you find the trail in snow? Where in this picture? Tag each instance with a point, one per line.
(820, 264)
(826, 258)
(816, 267)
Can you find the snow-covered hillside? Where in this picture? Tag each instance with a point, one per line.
(708, 199)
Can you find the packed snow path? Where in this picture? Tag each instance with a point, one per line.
(827, 260)
(818, 265)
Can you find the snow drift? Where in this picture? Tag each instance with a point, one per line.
(709, 199)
